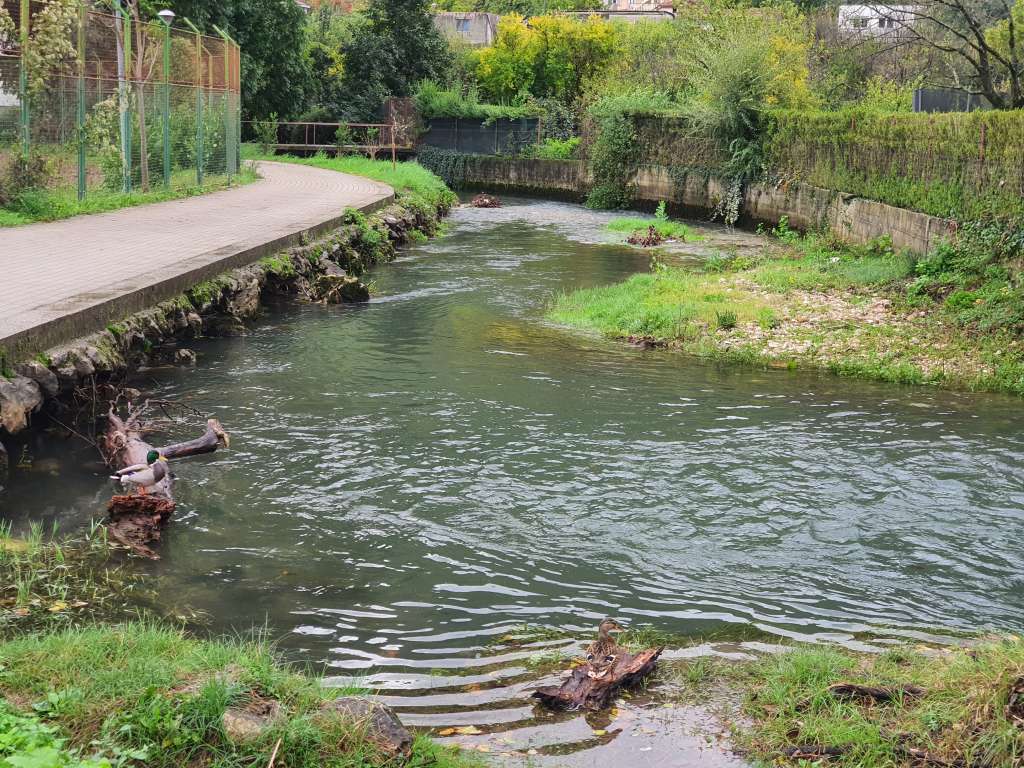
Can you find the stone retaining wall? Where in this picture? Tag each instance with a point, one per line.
(854, 219)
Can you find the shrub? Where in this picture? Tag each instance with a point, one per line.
(266, 133)
(726, 320)
(554, 149)
(19, 176)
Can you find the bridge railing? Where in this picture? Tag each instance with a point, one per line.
(371, 139)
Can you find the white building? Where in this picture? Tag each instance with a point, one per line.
(883, 21)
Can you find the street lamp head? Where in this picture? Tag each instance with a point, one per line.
(166, 16)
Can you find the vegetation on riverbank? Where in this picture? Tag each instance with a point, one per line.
(50, 584)
(146, 694)
(36, 205)
(945, 707)
(409, 179)
(954, 318)
(666, 228)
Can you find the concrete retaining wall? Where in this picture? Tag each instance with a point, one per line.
(854, 219)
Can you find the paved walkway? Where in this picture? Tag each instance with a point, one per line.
(62, 280)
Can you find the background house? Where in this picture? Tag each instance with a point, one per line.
(880, 22)
(477, 29)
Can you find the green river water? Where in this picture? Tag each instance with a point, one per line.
(411, 479)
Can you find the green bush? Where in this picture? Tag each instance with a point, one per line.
(554, 149)
(20, 175)
(432, 100)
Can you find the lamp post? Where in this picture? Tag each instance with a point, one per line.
(167, 17)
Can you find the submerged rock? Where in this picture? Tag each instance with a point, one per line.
(20, 397)
(382, 726)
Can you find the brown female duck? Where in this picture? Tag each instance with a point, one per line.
(602, 653)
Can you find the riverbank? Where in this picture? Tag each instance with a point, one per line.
(145, 694)
(951, 318)
(36, 382)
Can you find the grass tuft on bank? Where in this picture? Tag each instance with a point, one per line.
(143, 693)
(969, 711)
(53, 205)
(954, 318)
(407, 178)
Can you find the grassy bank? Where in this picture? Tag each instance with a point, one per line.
(666, 228)
(51, 205)
(145, 694)
(948, 707)
(50, 584)
(409, 179)
(954, 318)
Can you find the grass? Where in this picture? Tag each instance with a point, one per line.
(52, 205)
(146, 694)
(954, 318)
(46, 583)
(663, 225)
(670, 230)
(961, 717)
(407, 178)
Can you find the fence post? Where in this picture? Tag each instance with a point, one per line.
(167, 105)
(80, 115)
(23, 81)
(199, 101)
(126, 93)
(229, 128)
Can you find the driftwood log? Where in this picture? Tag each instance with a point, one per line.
(136, 520)
(484, 200)
(581, 691)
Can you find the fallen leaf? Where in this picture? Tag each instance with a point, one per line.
(59, 606)
(462, 730)
(446, 732)
(600, 732)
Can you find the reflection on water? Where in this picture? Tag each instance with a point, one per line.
(410, 478)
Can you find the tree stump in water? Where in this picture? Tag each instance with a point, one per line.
(136, 520)
(483, 200)
(581, 691)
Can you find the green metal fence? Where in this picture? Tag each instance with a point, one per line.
(117, 105)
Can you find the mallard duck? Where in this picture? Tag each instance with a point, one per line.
(142, 476)
(602, 653)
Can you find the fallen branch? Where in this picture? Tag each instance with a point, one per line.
(581, 690)
(137, 520)
(871, 693)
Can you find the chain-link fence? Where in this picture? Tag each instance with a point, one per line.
(108, 103)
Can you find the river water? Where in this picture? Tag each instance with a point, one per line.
(411, 479)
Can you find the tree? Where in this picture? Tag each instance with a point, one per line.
(982, 35)
(393, 46)
(276, 73)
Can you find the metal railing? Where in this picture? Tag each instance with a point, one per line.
(363, 138)
(124, 105)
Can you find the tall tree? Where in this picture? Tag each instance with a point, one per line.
(272, 36)
(394, 47)
(983, 35)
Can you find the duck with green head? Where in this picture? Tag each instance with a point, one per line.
(142, 476)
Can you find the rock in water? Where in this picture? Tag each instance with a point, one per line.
(336, 286)
(19, 398)
(383, 728)
(582, 691)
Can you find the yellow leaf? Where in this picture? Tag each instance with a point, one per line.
(59, 606)
(446, 732)
(467, 730)
(600, 732)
